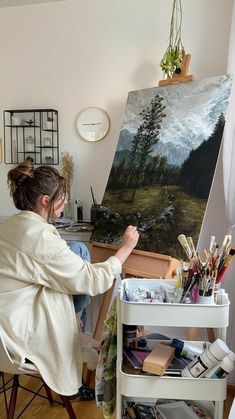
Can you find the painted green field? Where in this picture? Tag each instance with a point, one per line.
(164, 212)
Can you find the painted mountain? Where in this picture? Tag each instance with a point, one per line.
(164, 164)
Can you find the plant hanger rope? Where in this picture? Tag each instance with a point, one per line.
(176, 23)
(174, 54)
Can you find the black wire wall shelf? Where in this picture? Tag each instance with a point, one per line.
(31, 134)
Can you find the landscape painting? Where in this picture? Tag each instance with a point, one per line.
(164, 164)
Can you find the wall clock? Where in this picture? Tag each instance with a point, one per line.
(93, 124)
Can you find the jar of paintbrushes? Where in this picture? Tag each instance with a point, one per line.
(201, 276)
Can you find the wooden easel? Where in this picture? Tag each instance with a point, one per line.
(143, 264)
(183, 77)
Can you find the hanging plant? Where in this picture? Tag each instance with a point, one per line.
(172, 59)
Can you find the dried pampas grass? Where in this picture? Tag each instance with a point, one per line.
(68, 171)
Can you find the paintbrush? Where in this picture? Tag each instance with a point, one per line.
(183, 241)
(93, 198)
(225, 265)
(212, 244)
(192, 247)
(224, 250)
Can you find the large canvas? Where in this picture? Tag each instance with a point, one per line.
(164, 164)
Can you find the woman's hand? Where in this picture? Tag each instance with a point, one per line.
(130, 238)
(129, 241)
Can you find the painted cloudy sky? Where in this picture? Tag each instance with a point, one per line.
(192, 110)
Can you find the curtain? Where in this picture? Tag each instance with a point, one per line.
(229, 137)
(229, 187)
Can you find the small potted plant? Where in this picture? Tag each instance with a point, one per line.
(173, 56)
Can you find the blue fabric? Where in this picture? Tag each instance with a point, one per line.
(81, 300)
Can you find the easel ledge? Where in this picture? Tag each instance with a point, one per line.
(140, 263)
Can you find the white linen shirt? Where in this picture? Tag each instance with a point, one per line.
(38, 276)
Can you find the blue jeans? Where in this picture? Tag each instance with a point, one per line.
(81, 300)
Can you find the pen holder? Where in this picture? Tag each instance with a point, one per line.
(204, 299)
(95, 212)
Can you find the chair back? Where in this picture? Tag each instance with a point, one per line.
(6, 363)
(7, 366)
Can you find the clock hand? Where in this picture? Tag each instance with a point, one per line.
(92, 123)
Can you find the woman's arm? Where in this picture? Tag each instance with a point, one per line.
(129, 241)
(66, 272)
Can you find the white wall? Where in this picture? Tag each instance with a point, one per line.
(78, 53)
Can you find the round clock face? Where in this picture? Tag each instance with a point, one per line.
(93, 124)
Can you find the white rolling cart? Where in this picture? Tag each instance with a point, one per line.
(152, 387)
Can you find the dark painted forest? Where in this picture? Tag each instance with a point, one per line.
(137, 168)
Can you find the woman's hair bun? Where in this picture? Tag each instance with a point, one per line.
(19, 174)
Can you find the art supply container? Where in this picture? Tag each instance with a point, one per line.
(186, 349)
(141, 343)
(206, 360)
(95, 212)
(79, 210)
(206, 299)
(129, 336)
(223, 368)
